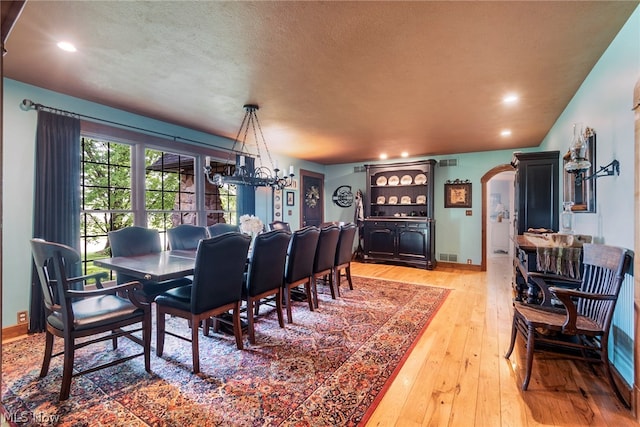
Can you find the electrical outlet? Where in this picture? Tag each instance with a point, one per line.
(469, 261)
(23, 317)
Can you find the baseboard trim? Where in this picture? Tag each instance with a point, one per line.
(14, 331)
(457, 266)
(625, 389)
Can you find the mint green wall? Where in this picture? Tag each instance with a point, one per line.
(18, 159)
(604, 103)
(456, 233)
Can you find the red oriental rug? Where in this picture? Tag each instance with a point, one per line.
(328, 368)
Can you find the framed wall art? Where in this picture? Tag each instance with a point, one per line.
(457, 194)
(291, 198)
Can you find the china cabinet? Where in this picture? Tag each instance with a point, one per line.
(536, 190)
(399, 224)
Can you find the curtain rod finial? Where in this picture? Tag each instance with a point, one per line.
(27, 105)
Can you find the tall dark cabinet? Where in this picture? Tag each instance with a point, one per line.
(536, 190)
(399, 224)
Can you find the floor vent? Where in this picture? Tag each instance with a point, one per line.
(448, 162)
(449, 257)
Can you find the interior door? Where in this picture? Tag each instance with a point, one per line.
(312, 198)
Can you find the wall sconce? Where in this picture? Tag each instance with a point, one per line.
(578, 163)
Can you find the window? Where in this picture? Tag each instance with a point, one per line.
(106, 195)
(125, 183)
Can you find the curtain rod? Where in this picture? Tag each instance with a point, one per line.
(28, 104)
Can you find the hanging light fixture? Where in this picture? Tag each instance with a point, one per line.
(246, 172)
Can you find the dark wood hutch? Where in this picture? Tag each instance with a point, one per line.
(399, 225)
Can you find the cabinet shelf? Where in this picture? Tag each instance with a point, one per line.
(400, 232)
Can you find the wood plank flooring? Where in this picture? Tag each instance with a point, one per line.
(457, 374)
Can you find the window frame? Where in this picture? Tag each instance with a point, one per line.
(139, 143)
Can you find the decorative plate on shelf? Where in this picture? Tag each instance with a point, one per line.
(380, 200)
(420, 179)
(421, 200)
(405, 200)
(394, 180)
(382, 180)
(406, 180)
(393, 200)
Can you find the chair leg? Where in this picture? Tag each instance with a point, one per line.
(67, 370)
(348, 271)
(114, 341)
(331, 282)
(336, 281)
(287, 296)
(195, 348)
(206, 324)
(279, 308)
(514, 333)
(252, 334)
(48, 350)
(159, 331)
(530, 346)
(237, 327)
(146, 340)
(311, 290)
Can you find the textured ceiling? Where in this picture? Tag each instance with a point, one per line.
(336, 81)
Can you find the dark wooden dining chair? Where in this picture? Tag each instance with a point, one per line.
(265, 275)
(344, 254)
(279, 225)
(216, 289)
(581, 328)
(324, 259)
(132, 241)
(73, 312)
(299, 266)
(220, 228)
(186, 236)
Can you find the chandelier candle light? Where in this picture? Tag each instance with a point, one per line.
(247, 173)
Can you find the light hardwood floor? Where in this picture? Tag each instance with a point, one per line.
(457, 374)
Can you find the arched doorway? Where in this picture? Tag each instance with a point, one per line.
(485, 206)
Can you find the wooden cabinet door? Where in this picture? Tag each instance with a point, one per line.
(412, 242)
(537, 186)
(379, 240)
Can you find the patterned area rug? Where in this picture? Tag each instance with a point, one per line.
(325, 369)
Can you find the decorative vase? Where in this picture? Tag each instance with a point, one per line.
(566, 218)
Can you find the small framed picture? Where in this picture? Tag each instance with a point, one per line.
(457, 195)
(291, 198)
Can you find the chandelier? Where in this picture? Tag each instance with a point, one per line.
(246, 172)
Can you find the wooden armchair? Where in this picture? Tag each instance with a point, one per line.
(581, 329)
(75, 314)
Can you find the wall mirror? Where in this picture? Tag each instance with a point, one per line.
(582, 192)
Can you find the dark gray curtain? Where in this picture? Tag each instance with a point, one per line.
(246, 196)
(56, 214)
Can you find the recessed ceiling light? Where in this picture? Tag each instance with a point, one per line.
(383, 156)
(404, 154)
(506, 132)
(510, 99)
(67, 47)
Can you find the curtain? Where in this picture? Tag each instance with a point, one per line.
(56, 214)
(246, 195)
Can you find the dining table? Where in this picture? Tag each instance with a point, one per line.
(159, 266)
